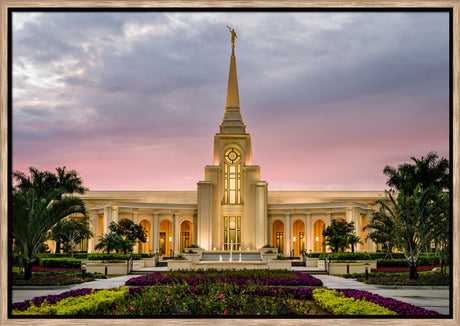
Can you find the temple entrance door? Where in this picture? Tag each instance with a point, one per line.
(318, 228)
(185, 241)
(278, 236)
(162, 243)
(279, 241)
(232, 232)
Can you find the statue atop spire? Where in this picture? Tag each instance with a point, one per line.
(232, 31)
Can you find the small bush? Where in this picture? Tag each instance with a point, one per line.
(335, 303)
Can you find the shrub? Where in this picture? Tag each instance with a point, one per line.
(60, 262)
(51, 299)
(346, 256)
(194, 245)
(335, 303)
(104, 256)
(268, 246)
(101, 302)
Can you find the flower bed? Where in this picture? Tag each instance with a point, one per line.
(265, 277)
(51, 299)
(400, 269)
(53, 276)
(401, 308)
(337, 304)
(431, 279)
(98, 303)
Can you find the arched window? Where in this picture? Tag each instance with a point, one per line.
(232, 177)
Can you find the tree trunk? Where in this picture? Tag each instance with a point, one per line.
(413, 269)
(27, 270)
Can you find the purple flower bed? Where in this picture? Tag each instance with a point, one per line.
(299, 279)
(22, 306)
(402, 308)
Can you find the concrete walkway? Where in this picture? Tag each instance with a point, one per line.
(432, 299)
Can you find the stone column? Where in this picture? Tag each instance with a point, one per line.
(174, 233)
(156, 232)
(107, 219)
(115, 214)
(288, 239)
(93, 220)
(195, 228)
(357, 221)
(308, 233)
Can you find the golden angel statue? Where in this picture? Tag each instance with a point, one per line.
(232, 31)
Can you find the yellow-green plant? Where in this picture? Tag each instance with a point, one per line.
(335, 303)
(97, 303)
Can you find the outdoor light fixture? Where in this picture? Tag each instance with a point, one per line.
(293, 239)
(170, 239)
(317, 239)
(366, 266)
(83, 269)
(106, 264)
(348, 267)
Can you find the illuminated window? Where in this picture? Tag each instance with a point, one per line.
(232, 177)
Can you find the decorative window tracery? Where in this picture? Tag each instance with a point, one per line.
(232, 177)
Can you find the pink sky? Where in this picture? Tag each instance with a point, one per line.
(132, 102)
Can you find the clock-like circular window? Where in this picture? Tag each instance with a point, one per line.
(232, 156)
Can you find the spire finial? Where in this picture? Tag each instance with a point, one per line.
(232, 31)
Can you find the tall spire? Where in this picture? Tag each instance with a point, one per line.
(232, 122)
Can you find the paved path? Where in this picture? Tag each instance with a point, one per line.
(432, 299)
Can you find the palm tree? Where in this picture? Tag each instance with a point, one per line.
(383, 230)
(34, 216)
(43, 182)
(417, 219)
(426, 171)
(69, 181)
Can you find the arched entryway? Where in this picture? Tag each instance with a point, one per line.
(278, 235)
(186, 235)
(318, 228)
(165, 240)
(298, 237)
(144, 247)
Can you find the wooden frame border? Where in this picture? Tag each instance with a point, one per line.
(455, 148)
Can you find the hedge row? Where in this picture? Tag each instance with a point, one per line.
(60, 262)
(102, 302)
(421, 261)
(335, 303)
(94, 256)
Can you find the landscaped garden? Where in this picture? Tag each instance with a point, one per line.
(219, 293)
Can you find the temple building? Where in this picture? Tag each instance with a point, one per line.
(232, 207)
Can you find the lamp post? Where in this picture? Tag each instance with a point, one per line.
(348, 267)
(171, 253)
(106, 265)
(366, 267)
(83, 269)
